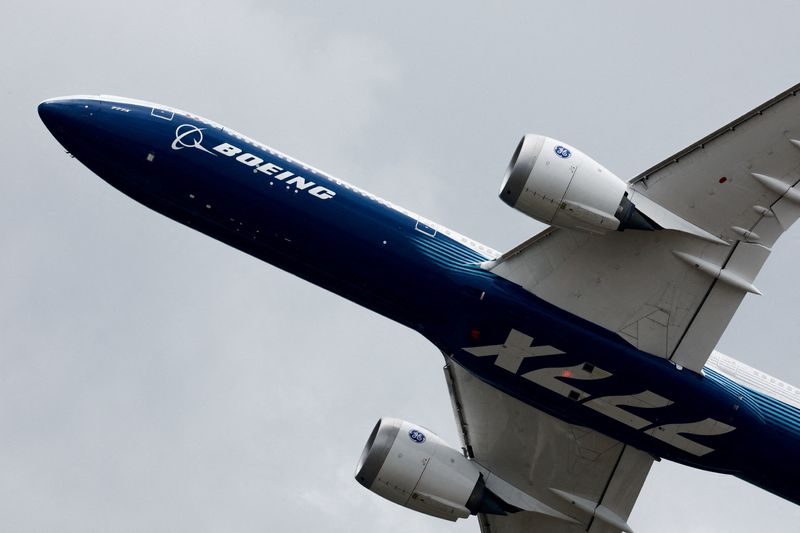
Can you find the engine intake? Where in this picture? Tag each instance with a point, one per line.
(413, 467)
(560, 185)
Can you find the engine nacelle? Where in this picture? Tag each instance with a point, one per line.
(412, 466)
(558, 184)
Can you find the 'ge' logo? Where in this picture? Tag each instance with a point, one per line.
(562, 152)
(417, 436)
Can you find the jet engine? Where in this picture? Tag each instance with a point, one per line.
(413, 467)
(558, 184)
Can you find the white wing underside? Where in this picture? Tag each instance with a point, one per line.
(668, 292)
(592, 479)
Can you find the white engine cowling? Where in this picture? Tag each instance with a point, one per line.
(558, 184)
(413, 467)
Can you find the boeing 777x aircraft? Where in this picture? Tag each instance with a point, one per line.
(573, 360)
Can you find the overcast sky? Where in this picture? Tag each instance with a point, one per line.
(152, 379)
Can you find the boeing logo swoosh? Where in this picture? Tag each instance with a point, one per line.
(189, 136)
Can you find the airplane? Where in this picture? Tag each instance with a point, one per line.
(574, 360)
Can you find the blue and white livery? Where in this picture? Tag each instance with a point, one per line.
(573, 360)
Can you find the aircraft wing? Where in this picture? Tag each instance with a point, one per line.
(592, 479)
(672, 292)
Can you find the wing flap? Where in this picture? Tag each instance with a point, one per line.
(733, 282)
(627, 282)
(590, 478)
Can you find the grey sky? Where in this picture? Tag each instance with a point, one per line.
(156, 380)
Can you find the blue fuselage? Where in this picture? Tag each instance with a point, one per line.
(372, 253)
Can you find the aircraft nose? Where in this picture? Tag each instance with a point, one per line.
(60, 113)
(70, 120)
(50, 110)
